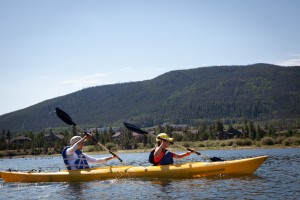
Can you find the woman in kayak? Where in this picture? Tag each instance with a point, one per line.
(161, 155)
(75, 159)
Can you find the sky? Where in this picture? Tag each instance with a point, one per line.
(51, 48)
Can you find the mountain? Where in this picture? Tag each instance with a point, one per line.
(236, 93)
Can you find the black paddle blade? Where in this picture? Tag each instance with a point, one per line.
(216, 159)
(134, 128)
(64, 116)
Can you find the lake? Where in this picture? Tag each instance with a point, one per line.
(277, 178)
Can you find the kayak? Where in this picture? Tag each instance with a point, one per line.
(245, 166)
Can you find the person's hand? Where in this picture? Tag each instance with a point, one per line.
(189, 152)
(87, 136)
(112, 157)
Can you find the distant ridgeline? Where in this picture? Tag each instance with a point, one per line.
(259, 92)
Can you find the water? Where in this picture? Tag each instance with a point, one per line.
(277, 178)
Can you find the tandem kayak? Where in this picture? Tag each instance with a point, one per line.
(245, 166)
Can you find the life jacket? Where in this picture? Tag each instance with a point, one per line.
(80, 163)
(151, 157)
(166, 160)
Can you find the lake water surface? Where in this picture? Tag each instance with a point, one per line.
(277, 178)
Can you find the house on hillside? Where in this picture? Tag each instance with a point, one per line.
(51, 137)
(138, 137)
(179, 126)
(151, 132)
(229, 134)
(281, 133)
(262, 133)
(222, 135)
(20, 140)
(232, 132)
(103, 129)
(97, 129)
(194, 131)
(177, 133)
(117, 136)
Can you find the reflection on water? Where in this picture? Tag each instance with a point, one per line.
(76, 189)
(277, 178)
(163, 182)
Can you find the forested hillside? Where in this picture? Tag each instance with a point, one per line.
(233, 93)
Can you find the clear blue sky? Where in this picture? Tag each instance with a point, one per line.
(50, 48)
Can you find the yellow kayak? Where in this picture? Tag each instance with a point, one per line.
(187, 170)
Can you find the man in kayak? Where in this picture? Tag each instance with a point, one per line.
(161, 155)
(75, 159)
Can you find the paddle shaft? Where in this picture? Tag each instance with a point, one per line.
(188, 149)
(101, 145)
(112, 153)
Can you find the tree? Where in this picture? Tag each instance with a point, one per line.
(2, 140)
(8, 139)
(219, 126)
(168, 129)
(127, 141)
(74, 131)
(159, 129)
(252, 131)
(211, 133)
(145, 140)
(202, 128)
(97, 135)
(258, 133)
(110, 134)
(246, 130)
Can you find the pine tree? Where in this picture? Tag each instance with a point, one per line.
(219, 127)
(252, 132)
(246, 131)
(258, 133)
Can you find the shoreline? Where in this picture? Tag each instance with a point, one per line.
(149, 149)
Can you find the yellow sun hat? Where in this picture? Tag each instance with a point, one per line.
(163, 136)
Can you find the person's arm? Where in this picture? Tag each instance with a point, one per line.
(74, 147)
(179, 156)
(98, 160)
(159, 149)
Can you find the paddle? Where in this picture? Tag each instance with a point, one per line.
(139, 131)
(68, 120)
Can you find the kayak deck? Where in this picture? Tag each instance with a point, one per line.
(187, 170)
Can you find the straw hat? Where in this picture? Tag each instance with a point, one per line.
(164, 136)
